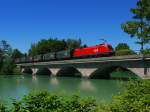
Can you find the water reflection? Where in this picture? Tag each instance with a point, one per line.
(34, 79)
(54, 81)
(86, 84)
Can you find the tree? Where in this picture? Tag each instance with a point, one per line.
(16, 54)
(53, 45)
(5, 50)
(72, 43)
(122, 46)
(45, 46)
(139, 27)
(123, 49)
(7, 66)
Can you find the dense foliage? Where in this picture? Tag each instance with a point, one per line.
(5, 50)
(146, 51)
(7, 57)
(139, 27)
(53, 45)
(135, 98)
(121, 46)
(16, 54)
(123, 49)
(2, 108)
(46, 102)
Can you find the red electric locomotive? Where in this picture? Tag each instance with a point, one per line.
(93, 51)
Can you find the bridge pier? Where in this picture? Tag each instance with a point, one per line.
(22, 70)
(147, 72)
(34, 71)
(86, 72)
(54, 71)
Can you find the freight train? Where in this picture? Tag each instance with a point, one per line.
(86, 52)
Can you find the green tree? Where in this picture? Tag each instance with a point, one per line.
(139, 27)
(122, 46)
(53, 45)
(7, 66)
(46, 46)
(146, 51)
(5, 49)
(72, 43)
(123, 49)
(16, 54)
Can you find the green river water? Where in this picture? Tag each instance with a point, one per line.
(16, 86)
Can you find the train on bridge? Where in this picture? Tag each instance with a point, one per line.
(100, 50)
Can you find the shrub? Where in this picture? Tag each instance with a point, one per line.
(46, 102)
(2, 108)
(16, 71)
(9, 68)
(135, 98)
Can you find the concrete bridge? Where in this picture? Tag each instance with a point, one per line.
(92, 67)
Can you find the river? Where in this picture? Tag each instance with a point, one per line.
(16, 86)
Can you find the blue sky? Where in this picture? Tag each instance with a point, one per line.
(23, 22)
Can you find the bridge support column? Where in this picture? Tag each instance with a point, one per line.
(22, 70)
(54, 71)
(34, 71)
(147, 72)
(86, 72)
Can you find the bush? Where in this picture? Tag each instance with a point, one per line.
(124, 52)
(135, 98)
(146, 51)
(45, 102)
(9, 68)
(16, 71)
(2, 108)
